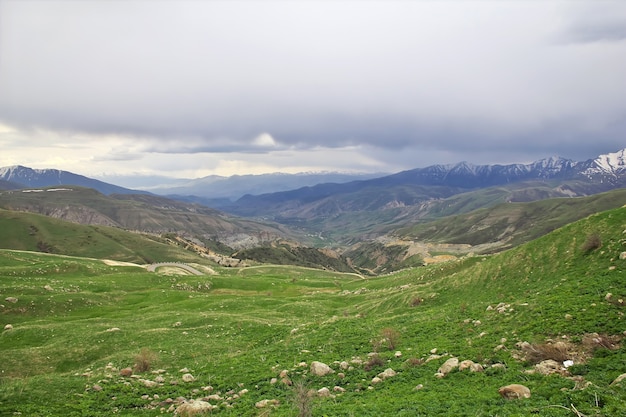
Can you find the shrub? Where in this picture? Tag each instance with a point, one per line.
(536, 353)
(373, 362)
(592, 243)
(144, 360)
(391, 337)
(412, 362)
(302, 400)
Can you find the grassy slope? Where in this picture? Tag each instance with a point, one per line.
(33, 232)
(512, 223)
(239, 332)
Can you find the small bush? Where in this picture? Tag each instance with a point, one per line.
(415, 301)
(536, 353)
(373, 362)
(592, 243)
(391, 337)
(144, 360)
(595, 341)
(413, 362)
(302, 400)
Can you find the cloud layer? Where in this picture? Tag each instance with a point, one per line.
(192, 88)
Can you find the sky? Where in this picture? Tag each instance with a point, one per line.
(187, 89)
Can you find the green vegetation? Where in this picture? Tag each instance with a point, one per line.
(76, 322)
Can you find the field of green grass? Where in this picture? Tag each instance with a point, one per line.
(71, 324)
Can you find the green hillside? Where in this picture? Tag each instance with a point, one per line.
(75, 323)
(33, 232)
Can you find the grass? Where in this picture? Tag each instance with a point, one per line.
(237, 330)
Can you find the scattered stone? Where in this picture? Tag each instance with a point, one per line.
(323, 392)
(418, 387)
(159, 379)
(344, 365)
(266, 403)
(183, 371)
(548, 367)
(8, 327)
(11, 300)
(466, 364)
(608, 296)
(476, 367)
(498, 366)
(283, 373)
(194, 407)
(273, 381)
(376, 380)
(387, 373)
(448, 366)
(514, 391)
(148, 383)
(188, 378)
(96, 387)
(433, 351)
(337, 388)
(113, 329)
(320, 369)
(48, 288)
(126, 372)
(398, 354)
(622, 255)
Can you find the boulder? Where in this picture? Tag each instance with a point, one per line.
(8, 327)
(387, 373)
(448, 366)
(193, 408)
(549, 366)
(320, 369)
(11, 300)
(514, 391)
(188, 378)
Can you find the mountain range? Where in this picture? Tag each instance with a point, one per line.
(372, 221)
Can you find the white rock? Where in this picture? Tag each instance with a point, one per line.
(8, 327)
(320, 369)
(188, 378)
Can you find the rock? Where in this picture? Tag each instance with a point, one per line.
(466, 364)
(622, 255)
(11, 300)
(8, 327)
(265, 403)
(148, 383)
(387, 373)
(376, 380)
(113, 329)
(618, 379)
(476, 367)
(193, 408)
(514, 391)
(126, 372)
(337, 388)
(418, 387)
(344, 365)
(448, 366)
(188, 378)
(608, 296)
(398, 354)
(323, 392)
(96, 388)
(320, 369)
(548, 367)
(48, 288)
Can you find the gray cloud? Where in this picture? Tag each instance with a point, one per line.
(402, 80)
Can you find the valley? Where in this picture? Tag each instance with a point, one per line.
(140, 305)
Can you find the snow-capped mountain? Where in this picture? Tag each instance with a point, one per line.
(32, 178)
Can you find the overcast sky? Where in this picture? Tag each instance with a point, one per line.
(194, 88)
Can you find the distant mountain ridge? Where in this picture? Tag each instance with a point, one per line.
(558, 177)
(31, 178)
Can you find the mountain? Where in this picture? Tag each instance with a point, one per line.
(145, 213)
(217, 190)
(413, 188)
(33, 178)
